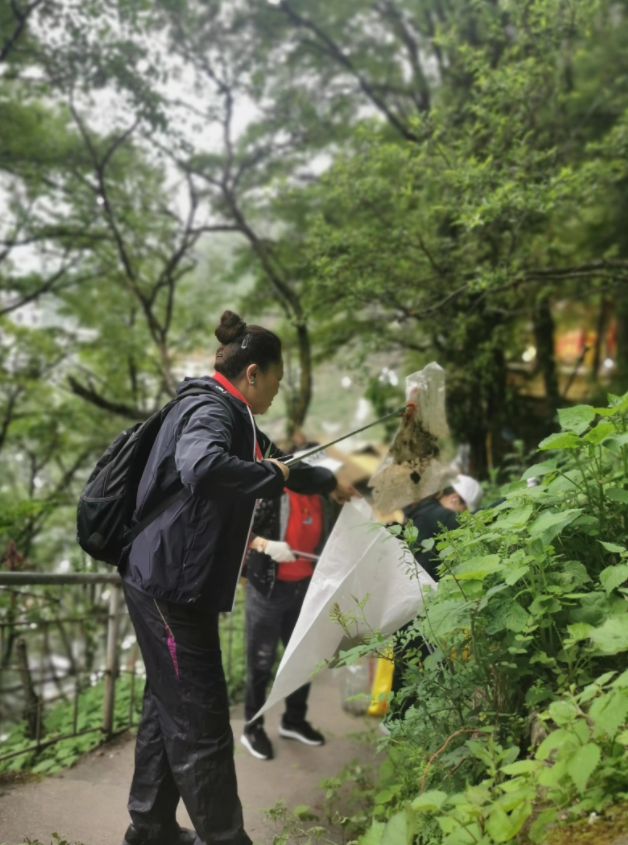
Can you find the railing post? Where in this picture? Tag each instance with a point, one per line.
(111, 664)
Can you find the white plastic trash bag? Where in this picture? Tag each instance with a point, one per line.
(412, 470)
(361, 558)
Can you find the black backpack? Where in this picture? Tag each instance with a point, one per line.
(105, 510)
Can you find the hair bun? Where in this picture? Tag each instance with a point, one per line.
(230, 328)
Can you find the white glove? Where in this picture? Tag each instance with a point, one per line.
(279, 552)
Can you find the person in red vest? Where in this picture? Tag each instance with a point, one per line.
(278, 578)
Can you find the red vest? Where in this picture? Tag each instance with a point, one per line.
(305, 526)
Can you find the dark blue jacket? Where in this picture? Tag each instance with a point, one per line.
(193, 552)
(431, 518)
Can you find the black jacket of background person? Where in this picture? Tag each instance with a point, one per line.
(271, 517)
(430, 518)
(193, 552)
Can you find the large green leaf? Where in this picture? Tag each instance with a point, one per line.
(597, 434)
(477, 568)
(545, 604)
(399, 829)
(612, 636)
(593, 610)
(583, 763)
(609, 711)
(514, 574)
(550, 523)
(616, 494)
(373, 835)
(430, 801)
(521, 767)
(561, 440)
(576, 419)
(615, 443)
(502, 826)
(617, 404)
(516, 517)
(542, 468)
(613, 576)
(563, 712)
(566, 482)
(579, 631)
(516, 618)
(445, 616)
(557, 739)
(612, 547)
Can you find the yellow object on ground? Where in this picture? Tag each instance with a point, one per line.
(382, 683)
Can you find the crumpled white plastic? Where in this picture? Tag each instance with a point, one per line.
(412, 469)
(361, 558)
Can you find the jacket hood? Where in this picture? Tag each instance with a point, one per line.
(203, 382)
(208, 383)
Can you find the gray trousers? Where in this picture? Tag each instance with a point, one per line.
(269, 620)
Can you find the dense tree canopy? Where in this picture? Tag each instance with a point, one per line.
(414, 178)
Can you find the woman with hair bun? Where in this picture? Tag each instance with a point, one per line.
(182, 570)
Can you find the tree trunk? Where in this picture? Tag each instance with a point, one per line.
(299, 401)
(543, 324)
(478, 463)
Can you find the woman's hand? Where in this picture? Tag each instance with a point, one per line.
(344, 493)
(284, 469)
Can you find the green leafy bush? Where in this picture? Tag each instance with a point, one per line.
(519, 714)
(60, 721)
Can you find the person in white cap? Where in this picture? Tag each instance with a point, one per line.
(433, 514)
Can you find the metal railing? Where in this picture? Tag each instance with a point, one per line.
(16, 630)
(100, 618)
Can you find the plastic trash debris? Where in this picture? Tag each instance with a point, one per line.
(356, 680)
(412, 469)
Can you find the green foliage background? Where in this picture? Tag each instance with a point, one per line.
(518, 718)
(385, 184)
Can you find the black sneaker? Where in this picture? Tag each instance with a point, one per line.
(176, 836)
(302, 731)
(256, 742)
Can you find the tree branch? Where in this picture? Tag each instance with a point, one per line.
(90, 395)
(9, 414)
(334, 51)
(391, 12)
(20, 26)
(48, 286)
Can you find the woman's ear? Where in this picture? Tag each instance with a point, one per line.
(251, 373)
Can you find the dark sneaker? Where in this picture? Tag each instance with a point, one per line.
(256, 742)
(176, 836)
(302, 731)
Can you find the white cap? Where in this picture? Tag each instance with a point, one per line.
(319, 459)
(469, 490)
